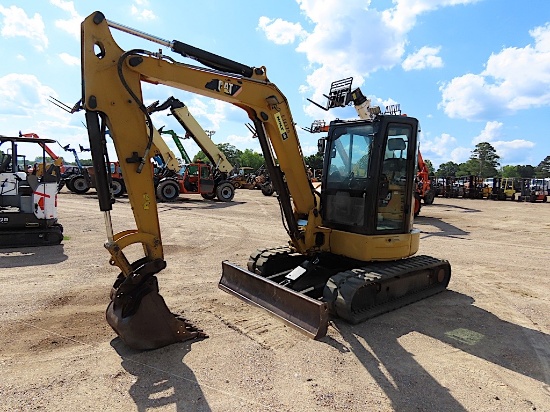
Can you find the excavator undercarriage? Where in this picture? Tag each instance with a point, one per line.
(330, 285)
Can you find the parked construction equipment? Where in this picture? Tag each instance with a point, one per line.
(504, 188)
(208, 180)
(28, 202)
(533, 190)
(56, 168)
(86, 180)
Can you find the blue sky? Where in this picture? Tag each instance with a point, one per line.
(469, 70)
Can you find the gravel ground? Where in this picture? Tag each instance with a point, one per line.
(482, 345)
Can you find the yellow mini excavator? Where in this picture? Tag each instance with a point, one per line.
(351, 246)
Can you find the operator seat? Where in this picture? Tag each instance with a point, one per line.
(394, 168)
(6, 161)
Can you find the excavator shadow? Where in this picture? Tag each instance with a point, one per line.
(464, 209)
(162, 378)
(452, 319)
(32, 256)
(196, 203)
(438, 228)
(181, 203)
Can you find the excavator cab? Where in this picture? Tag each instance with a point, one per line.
(367, 187)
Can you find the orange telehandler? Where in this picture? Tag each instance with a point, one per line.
(424, 188)
(351, 246)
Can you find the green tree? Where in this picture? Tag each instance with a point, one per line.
(314, 161)
(447, 169)
(429, 166)
(231, 153)
(487, 160)
(526, 171)
(470, 167)
(250, 159)
(509, 171)
(543, 168)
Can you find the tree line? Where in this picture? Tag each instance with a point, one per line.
(249, 158)
(484, 162)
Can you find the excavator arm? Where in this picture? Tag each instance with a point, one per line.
(177, 141)
(112, 91)
(112, 98)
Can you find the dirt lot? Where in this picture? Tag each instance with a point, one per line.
(483, 345)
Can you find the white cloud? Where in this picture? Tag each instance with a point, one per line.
(513, 151)
(24, 106)
(439, 146)
(445, 147)
(339, 45)
(23, 94)
(72, 24)
(213, 111)
(490, 133)
(17, 23)
(139, 9)
(426, 57)
(280, 31)
(510, 151)
(460, 154)
(514, 79)
(402, 17)
(69, 60)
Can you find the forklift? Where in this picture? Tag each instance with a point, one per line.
(533, 190)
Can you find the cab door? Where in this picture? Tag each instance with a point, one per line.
(206, 179)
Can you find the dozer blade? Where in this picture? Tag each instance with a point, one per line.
(140, 317)
(310, 316)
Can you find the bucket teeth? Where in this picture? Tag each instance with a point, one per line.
(140, 317)
(190, 328)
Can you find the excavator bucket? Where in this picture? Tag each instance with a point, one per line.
(308, 315)
(140, 317)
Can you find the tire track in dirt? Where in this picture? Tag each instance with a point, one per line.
(268, 332)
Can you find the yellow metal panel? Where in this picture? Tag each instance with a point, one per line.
(368, 247)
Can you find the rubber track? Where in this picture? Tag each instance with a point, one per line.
(261, 256)
(342, 287)
(52, 235)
